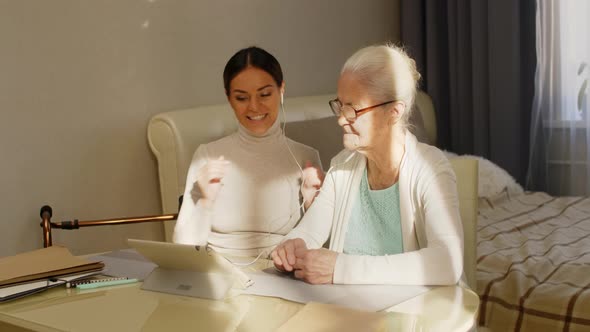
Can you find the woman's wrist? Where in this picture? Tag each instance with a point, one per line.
(306, 205)
(205, 203)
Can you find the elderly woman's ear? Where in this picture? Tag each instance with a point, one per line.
(397, 111)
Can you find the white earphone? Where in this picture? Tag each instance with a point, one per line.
(282, 98)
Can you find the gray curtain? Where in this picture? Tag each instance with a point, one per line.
(477, 60)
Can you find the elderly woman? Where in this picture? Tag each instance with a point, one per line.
(389, 208)
(244, 191)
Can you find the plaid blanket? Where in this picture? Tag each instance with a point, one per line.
(533, 265)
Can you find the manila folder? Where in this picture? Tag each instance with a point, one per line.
(42, 263)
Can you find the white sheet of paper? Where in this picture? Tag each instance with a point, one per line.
(270, 282)
(125, 263)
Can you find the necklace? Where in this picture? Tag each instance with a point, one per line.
(378, 181)
(383, 180)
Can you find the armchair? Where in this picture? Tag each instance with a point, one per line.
(174, 136)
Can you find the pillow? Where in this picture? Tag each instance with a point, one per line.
(492, 178)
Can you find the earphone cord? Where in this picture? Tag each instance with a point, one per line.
(302, 205)
(300, 208)
(287, 142)
(247, 263)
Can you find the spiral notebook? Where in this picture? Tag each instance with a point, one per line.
(101, 282)
(24, 289)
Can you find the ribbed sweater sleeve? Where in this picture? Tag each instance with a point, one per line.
(194, 220)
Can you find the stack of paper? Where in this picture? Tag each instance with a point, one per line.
(125, 263)
(37, 270)
(270, 282)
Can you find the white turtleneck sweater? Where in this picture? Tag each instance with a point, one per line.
(260, 199)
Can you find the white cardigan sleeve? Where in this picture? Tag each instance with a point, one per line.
(194, 221)
(440, 260)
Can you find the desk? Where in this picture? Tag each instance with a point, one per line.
(128, 308)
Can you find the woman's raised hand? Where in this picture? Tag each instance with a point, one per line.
(209, 179)
(312, 179)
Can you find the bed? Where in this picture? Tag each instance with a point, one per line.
(533, 256)
(533, 262)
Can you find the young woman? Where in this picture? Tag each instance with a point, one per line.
(244, 192)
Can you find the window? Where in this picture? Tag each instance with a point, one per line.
(574, 54)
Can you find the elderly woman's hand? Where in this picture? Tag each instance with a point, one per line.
(315, 266)
(312, 180)
(284, 254)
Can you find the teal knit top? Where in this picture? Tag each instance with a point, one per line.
(374, 227)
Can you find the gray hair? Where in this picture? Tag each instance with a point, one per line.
(387, 72)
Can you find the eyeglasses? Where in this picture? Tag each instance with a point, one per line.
(349, 112)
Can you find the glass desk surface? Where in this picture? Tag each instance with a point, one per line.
(128, 308)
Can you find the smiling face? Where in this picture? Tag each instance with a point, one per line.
(255, 99)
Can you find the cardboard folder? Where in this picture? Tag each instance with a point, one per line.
(42, 264)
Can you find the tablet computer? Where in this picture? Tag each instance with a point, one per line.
(189, 270)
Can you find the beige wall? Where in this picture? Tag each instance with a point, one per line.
(79, 81)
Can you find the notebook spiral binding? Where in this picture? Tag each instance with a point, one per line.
(73, 284)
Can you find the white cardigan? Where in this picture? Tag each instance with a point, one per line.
(432, 231)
